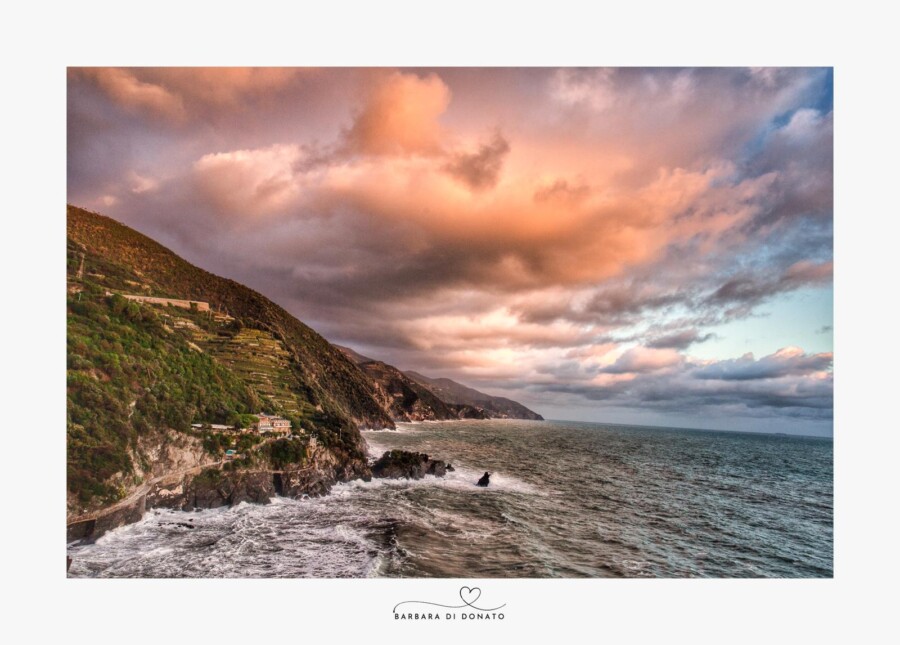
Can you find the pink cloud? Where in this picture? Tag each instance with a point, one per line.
(401, 116)
(644, 359)
(176, 94)
(123, 87)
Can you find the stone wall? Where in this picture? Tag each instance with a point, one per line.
(184, 304)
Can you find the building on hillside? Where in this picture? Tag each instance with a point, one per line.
(272, 423)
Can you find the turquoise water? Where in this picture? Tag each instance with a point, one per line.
(565, 500)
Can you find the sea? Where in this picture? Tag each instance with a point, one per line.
(565, 500)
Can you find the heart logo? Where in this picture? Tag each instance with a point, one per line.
(470, 595)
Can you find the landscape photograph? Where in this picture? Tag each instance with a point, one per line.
(473, 322)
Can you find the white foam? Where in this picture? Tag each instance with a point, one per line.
(244, 541)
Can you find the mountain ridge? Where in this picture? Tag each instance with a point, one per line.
(458, 400)
(141, 375)
(458, 394)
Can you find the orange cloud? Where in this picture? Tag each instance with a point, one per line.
(571, 235)
(401, 116)
(480, 170)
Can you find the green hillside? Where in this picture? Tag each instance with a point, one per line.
(263, 362)
(136, 369)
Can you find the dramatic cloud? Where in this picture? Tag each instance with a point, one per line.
(790, 361)
(401, 116)
(597, 240)
(481, 169)
(750, 290)
(788, 382)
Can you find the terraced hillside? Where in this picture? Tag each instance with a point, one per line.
(328, 378)
(139, 371)
(263, 362)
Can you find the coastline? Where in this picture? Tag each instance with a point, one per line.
(564, 501)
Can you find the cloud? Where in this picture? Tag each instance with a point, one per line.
(142, 184)
(788, 384)
(248, 182)
(123, 87)
(480, 170)
(789, 361)
(591, 88)
(803, 125)
(561, 190)
(750, 290)
(224, 87)
(175, 95)
(578, 253)
(679, 340)
(401, 116)
(644, 359)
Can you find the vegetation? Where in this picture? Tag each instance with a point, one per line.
(327, 379)
(216, 443)
(128, 376)
(286, 451)
(136, 370)
(262, 361)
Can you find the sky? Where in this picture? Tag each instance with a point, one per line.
(627, 245)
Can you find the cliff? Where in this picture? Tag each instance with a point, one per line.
(467, 398)
(186, 479)
(139, 374)
(410, 396)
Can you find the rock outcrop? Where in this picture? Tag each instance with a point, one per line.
(216, 486)
(397, 464)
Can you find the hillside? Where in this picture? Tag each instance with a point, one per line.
(329, 377)
(405, 399)
(410, 396)
(138, 372)
(458, 394)
(156, 390)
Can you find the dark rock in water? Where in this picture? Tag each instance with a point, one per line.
(397, 464)
(485, 480)
(450, 468)
(437, 468)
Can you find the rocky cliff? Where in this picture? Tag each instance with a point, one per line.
(410, 396)
(470, 399)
